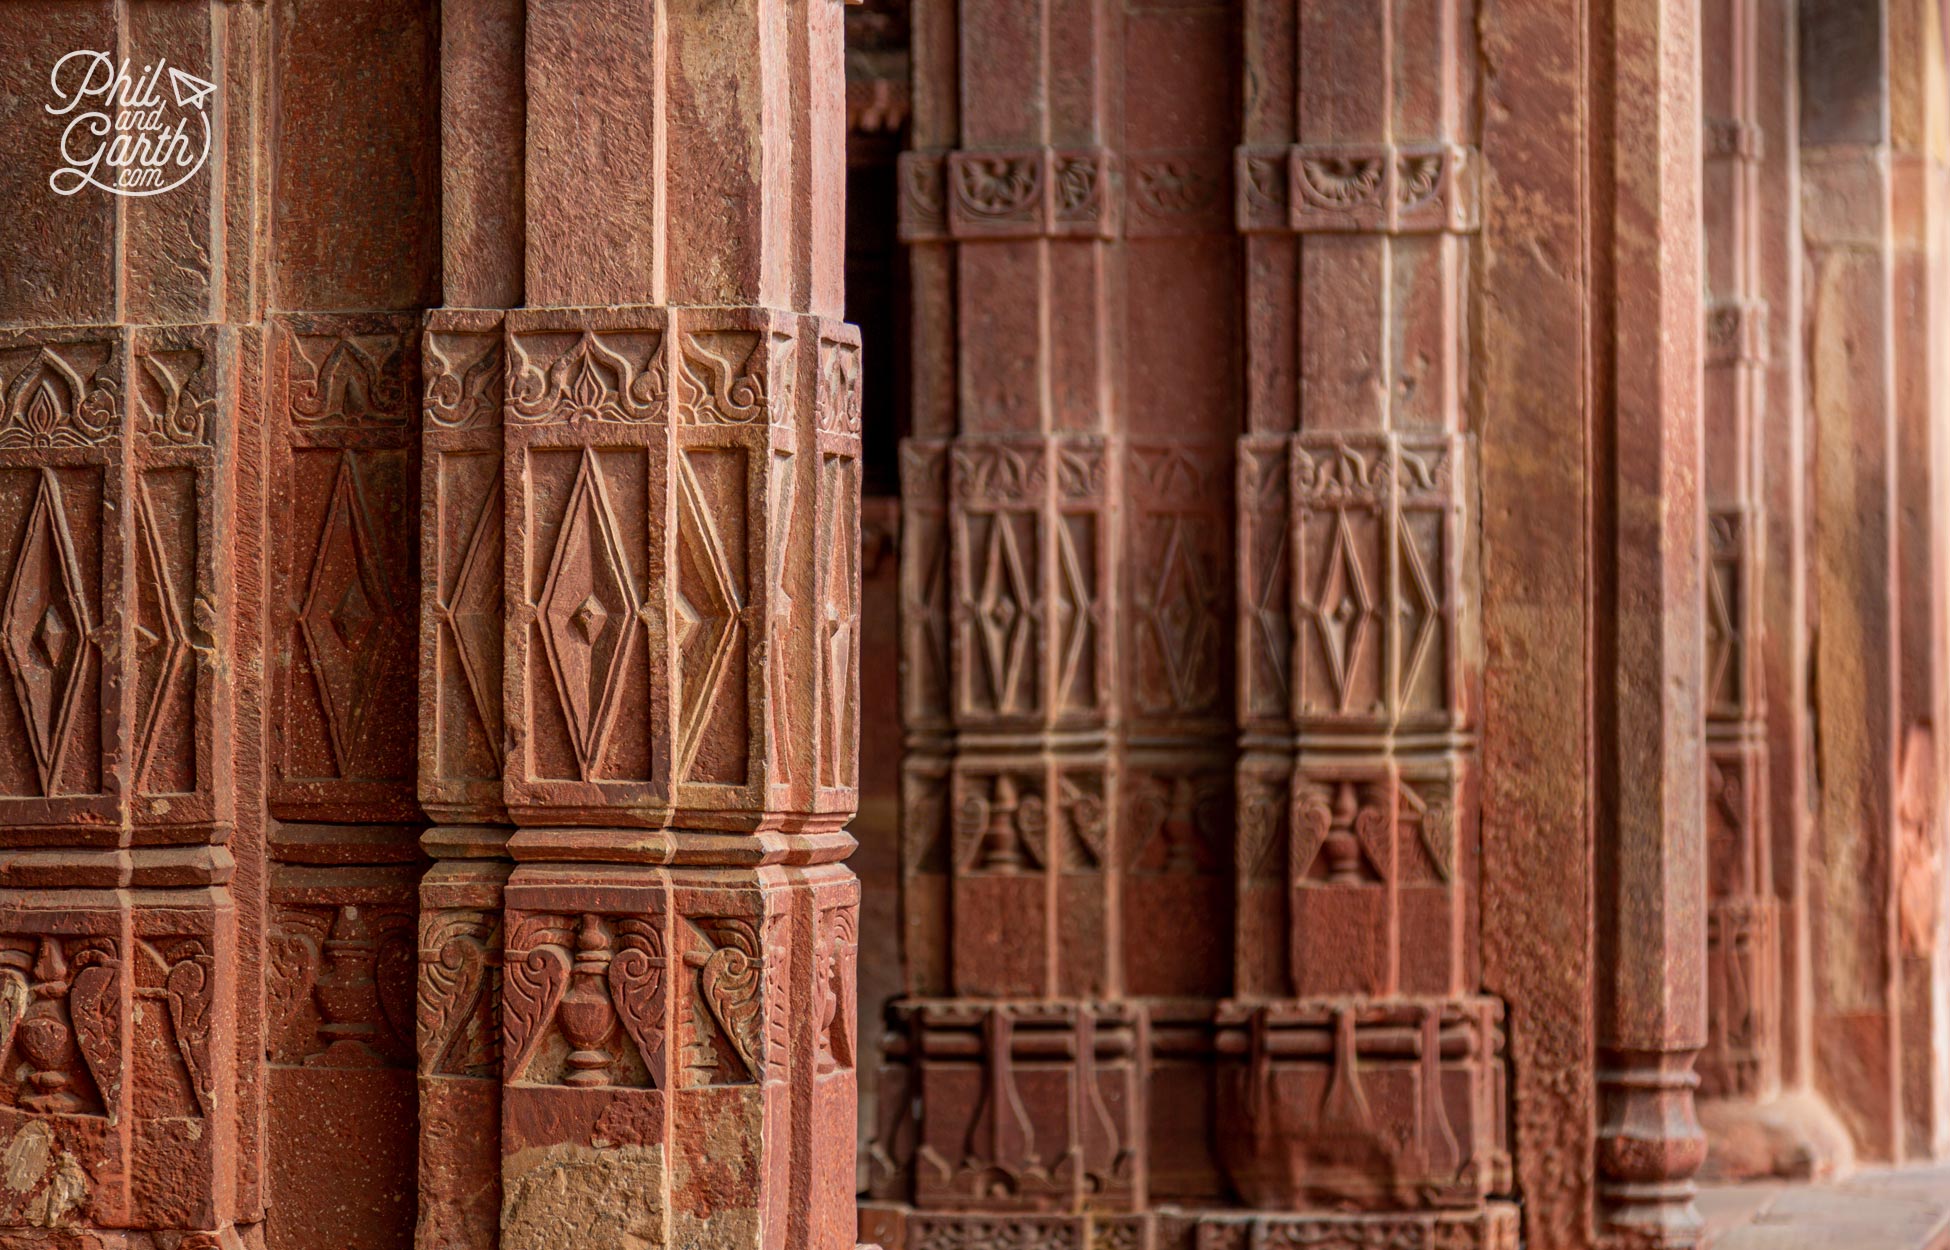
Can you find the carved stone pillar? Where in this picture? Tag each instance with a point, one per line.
(1742, 1056)
(638, 701)
(1650, 653)
(130, 1031)
(1065, 583)
(1360, 1065)
(353, 192)
(1757, 678)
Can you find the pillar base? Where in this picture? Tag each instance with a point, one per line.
(1376, 1105)
(898, 1227)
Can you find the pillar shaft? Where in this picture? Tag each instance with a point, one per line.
(1742, 1055)
(1848, 227)
(639, 634)
(1650, 647)
(1359, 662)
(131, 1031)
(1065, 576)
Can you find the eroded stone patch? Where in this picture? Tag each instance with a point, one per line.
(581, 1196)
(32, 1165)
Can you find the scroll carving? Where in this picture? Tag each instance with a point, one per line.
(351, 379)
(724, 1007)
(175, 393)
(462, 388)
(726, 376)
(458, 992)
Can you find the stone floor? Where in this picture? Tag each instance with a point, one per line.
(1900, 1209)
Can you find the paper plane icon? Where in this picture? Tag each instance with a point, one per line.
(191, 91)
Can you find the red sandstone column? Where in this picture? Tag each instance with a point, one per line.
(1848, 226)
(353, 199)
(1539, 451)
(1361, 1069)
(1023, 1061)
(462, 726)
(1651, 865)
(133, 884)
(639, 703)
(1782, 606)
(1741, 1060)
(1917, 173)
(1759, 1114)
(1065, 582)
(132, 888)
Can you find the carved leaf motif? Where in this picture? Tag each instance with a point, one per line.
(1077, 184)
(531, 986)
(589, 382)
(1340, 182)
(357, 382)
(450, 990)
(730, 982)
(636, 979)
(1342, 473)
(48, 405)
(1173, 188)
(460, 399)
(1372, 828)
(831, 979)
(1418, 177)
(1261, 820)
(998, 186)
(1266, 180)
(14, 996)
(1315, 821)
(922, 185)
(187, 989)
(724, 379)
(1438, 833)
(93, 1002)
(839, 389)
(295, 953)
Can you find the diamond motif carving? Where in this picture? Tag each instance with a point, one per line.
(46, 629)
(588, 606)
(347, 607)
(162, 640)
(472, 612)
(709, 600)
(1343, 609)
